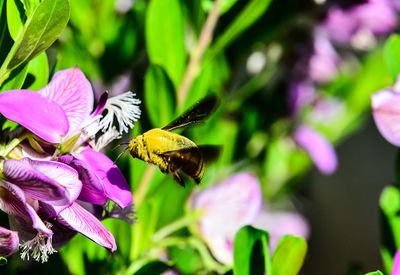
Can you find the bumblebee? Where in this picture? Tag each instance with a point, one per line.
(172, 153)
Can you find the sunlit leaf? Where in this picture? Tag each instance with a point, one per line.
(289, 255)
(159, 96)
(15, 17)
(39, 32)
(38, 73)
(16, 79)
(374, 273)
(165, 37)
(392, 55)
(225, 5)
(250, 251)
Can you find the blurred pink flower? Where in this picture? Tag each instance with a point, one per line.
(227, 207)
(280, 223)
(234, 203)
(323, 64)
(318, 147)
(386, 113)
(339, 25)
(376, 16)
(301, 94)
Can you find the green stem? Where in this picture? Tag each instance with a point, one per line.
(201, 46)
(144, 185)
(12, 144)
(176, 225)
(209, 262)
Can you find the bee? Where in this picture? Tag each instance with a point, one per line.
(172, 153)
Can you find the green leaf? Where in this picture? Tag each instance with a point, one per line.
(375, 273)
(187, 259)
(392, 55)
(30, 6)
(159, 96)
(16, 79)
(253, 10)
(15, 17)
(38, 73)
(250, 251)
(390, 201)
(165, 37)
(289, 255)
(225, 5)
(11, 125)
(3, 261)
(155, 267)
(40, 31)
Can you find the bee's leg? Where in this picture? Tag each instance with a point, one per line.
(178, 178)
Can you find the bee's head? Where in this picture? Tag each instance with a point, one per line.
(134, 148)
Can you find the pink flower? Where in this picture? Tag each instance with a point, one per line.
(386, 113)
(318, 147)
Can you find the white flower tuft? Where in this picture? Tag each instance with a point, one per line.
(124, 108)
(105, 139)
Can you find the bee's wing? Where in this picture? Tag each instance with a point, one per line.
(188, 161)
(195, 114)
(210, 152)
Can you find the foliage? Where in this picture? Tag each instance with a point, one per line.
(174, 53)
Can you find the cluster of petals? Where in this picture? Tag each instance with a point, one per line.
(50, 194)
(386, 112)
(233, 203)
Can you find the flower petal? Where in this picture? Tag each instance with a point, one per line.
(114, 183)
(227, 207)
(41, 116)
(13, 202)
(318, 147)
(9, 242)
(396, 264)
(386, 112)
(280, 223)
(79, 219)
(48, 181)
(71, 90)
(92, 188)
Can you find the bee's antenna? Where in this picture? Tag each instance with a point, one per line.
(123, 152)
(124, 143)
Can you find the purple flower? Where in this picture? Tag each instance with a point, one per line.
(52, 199)
(318, 147)
(227, 207)
(9, 242)
(386, 113)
